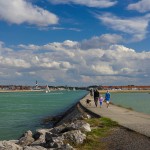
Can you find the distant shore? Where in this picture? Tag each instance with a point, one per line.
(7, 91)
(125, 91)
(101, 91)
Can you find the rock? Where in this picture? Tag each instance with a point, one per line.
(71, 115)
(88, 116)
(58, 129)
(51, 119)
(39, 136)
(79, 125)
(26, 139)
(75, 136)
(53, 141)
(14, 141)
(50, 136)
(28, 133)
(41, 131)
(7, 145)
(76, 125)
(66, 147)
(39, 141)
(34, 148)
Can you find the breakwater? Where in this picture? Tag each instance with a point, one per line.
(70, 127)
(20, 111)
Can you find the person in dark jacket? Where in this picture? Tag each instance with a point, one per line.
(96, 97)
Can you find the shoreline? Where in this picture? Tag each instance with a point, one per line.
(101, 91)
(124, 91)
(13, 91)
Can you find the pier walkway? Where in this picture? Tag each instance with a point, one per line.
(135, 121)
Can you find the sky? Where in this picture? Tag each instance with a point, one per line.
(75, 42)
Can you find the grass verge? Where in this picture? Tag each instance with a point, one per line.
(101, 127)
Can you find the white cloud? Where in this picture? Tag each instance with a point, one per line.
(103, 69)
(14, 62)
(29, 47)
(62, 28)
(22, 11)
(18, 73)
(101, 41)
(141, 6)
(89, 3)
(65, 65)
(69, 63)
(50, 65)
(4, 49)
(135, 27)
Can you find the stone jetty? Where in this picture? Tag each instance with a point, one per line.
(70, 128)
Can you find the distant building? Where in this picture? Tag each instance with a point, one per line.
(127, 87)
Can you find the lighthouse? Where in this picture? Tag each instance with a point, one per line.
(36, 85)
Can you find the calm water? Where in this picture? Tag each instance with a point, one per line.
(22, 111)
(137, 101)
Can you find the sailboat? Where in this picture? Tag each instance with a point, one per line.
(47, 89)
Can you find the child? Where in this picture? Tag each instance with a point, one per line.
(101, 99)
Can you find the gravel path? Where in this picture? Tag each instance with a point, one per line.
(123, 139)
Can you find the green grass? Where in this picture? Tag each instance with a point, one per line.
(101, 127)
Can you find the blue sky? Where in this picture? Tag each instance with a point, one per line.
(75, 42)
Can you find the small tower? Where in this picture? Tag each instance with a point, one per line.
(36, 85)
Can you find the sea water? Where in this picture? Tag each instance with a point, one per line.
(22, 111)
(139, 102)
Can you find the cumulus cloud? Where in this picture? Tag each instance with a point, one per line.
(141, 6)
(101, 41)
(62, 28)
(4, 49)
(68, 63)
(22, 11)
(11, 62)
(88, 3)
(135, 27)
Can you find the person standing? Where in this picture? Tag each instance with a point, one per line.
(96, 97)
(91, 92)
(107, 98)
(101, 99)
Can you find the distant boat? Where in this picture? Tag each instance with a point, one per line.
(74, 89)
(47, 89)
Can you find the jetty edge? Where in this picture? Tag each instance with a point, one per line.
(69, 128)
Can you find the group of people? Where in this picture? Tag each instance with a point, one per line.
(99, 98)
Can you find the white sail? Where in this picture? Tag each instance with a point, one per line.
(47, 89)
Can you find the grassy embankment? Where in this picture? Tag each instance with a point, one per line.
(101, 127)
